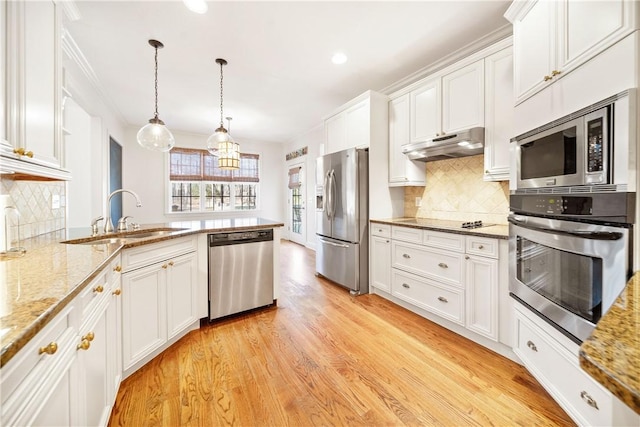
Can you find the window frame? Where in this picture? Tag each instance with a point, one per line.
(233, 190)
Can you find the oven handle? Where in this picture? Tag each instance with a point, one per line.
(592, 235)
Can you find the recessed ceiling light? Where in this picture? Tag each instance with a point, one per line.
(339, 58)
(197, 6)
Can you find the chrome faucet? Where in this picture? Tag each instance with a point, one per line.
(94, 225)
(108, 225)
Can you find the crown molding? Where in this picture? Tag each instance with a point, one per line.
(464, 52)
(73, 52)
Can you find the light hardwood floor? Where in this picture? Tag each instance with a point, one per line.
(324, 357)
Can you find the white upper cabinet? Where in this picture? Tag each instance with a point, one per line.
(425, 113)
(552, 38)
(335, 130)
(32, 140)
(448, 103)
(402, 171)
(358, 120)
(463, 98)
(499, 114)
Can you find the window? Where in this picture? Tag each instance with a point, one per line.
(199, 185)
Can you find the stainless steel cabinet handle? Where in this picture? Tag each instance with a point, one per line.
(532, 346)
(443, 299)
(404, 285)
(443, 265)
(407, 256)
(590, 400)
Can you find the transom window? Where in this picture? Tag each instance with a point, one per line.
(199, 185)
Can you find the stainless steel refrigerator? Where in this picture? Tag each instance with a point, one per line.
(342, 218)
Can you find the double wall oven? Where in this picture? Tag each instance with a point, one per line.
(572, 215)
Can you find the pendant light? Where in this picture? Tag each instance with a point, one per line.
(221, 144)
(155, 135)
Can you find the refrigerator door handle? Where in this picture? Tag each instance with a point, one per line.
(337, 245)
(325, 195)
(333, 193)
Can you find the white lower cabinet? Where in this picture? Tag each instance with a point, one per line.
(456, 277)
(159, 300)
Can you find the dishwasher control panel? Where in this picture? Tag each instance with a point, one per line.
(240, 237)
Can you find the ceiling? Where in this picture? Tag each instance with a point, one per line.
(279, 82)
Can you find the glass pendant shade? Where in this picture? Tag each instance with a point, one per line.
(155, 136)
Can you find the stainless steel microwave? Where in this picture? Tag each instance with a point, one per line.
(573, 151)
(590, 147)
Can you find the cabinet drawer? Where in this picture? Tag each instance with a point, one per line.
(33, 365)
(433, 263)
(443, 300)
(381, 230)
(92, 294)
(450, 241)
(557, 369)
(482, 246)
(155, 252)
(406, 234)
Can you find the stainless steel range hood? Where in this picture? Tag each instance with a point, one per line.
(459, 144)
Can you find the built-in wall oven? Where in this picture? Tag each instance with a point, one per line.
(573, 213)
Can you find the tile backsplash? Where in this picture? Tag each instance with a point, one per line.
(455, 191)
(35, 202)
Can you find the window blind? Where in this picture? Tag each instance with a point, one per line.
(189, 164)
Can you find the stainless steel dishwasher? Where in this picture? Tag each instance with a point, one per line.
(240, 271)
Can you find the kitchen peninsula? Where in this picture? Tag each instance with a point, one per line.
(51, 274)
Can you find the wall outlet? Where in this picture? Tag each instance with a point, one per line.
(55, 201)
(418, 201)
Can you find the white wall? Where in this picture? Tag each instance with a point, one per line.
(313, 140)
(145, 172)
(78, 149)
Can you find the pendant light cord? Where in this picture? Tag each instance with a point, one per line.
(156, 82)
(221, 77)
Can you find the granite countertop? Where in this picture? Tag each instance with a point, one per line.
(611, 354)
(37, 286)
(497, 231)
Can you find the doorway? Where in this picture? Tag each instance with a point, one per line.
(297, 219)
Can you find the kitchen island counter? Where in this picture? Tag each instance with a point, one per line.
(37, 286)
(611, 354)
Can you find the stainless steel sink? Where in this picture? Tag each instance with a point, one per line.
(123, 237)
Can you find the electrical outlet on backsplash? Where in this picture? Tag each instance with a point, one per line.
(455, 190)
(35, 201)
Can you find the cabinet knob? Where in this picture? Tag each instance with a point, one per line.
(117, 269)
(590, 400)
(407, 256)
(116, 292)
(443, 299)
(404, 285)
(555, 73)
(547, 78)
(480, 246)
(171, 263)
(165, 266)
(532, 346)
(443, 265)
(486, 171)
(386, 241)
(49, 349)
(84, 345)
(466, 257)
(98, 289)
(89, 336)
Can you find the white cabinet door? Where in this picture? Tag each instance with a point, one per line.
(357, 120)
(181, 293)
(381, 263)
(144, 313)
(588, 26)
(402, 171)
(481, 297)
(534, 48)
(499, 114)
(58, 408)
(335, 129)
(93, 369)
(425, 111)
(463, 98)
(114, 339)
